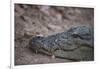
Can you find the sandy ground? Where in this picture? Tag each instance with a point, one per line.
(32, 20)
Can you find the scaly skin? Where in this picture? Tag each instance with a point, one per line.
(69, 40)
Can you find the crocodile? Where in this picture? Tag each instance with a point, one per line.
(70, 44)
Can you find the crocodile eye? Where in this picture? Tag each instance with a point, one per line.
(75, 35)
(39, 37)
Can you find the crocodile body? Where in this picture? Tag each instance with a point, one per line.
(69, 40)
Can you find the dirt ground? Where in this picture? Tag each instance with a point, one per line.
(32, 20)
